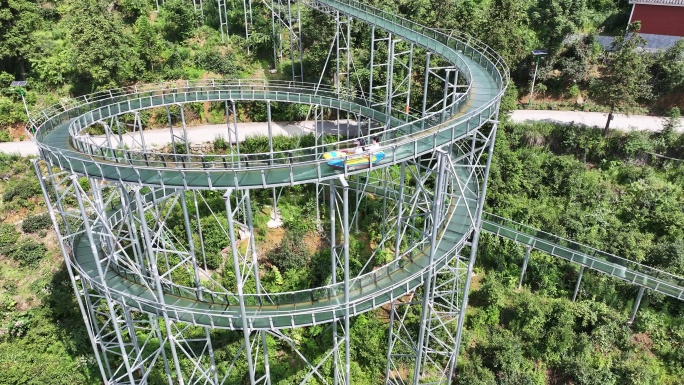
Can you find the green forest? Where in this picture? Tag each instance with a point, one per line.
(613, 193)
(618, 192)
(66, 48)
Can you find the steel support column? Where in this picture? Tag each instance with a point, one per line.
(425, 309)
(108, 299)
(473, 250)
(528, 249)
(637, 303)
(345, 224)
(257, 279)
(333, 268)
(70, 271)
(577, 285)
(239, 284)
(147, 238)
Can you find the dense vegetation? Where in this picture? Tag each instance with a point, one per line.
(42, 336)
(613, 193)
(69, 47)
(616, 193)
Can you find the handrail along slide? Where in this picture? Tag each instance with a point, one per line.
(282, 310)
(618, 267)
(487, 72)
(59, 129)
(124, 241)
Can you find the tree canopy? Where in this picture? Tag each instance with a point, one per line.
(625, 81)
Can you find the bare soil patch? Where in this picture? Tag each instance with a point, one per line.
(315, 242)
(17, 132)
(271, 241)
(476, 281)
(643, 341)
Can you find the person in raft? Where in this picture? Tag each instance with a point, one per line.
(359, 148)
(374, 146)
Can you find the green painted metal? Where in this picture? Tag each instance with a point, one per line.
(280, 310)
(54, 129)
(57, 132)
(246, 170)
(624, 269)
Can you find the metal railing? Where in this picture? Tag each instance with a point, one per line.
(115, 216)
(578, 253)
(407, 138)
(365, 288)
(82, 109)
(458, 41)
(406, 135)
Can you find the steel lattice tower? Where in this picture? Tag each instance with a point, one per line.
(150, 304)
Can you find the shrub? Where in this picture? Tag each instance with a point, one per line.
(213, 61)
(220, 143)
(97, 129)
(291, 253)
(574, 91)
(8, 238)
(177, 20)
(35, 223)
(7, 303)
(20, 325)
(636, 143)
(214, 260)
(133, 9)
(29, 253)
(179, 147)
(23, 189)
(5, 136)
(10, 286)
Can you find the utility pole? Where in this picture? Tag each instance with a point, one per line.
(20, 85)
(538, 53)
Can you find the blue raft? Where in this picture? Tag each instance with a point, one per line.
(353, 161)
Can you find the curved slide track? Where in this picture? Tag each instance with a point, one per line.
(60, 138)
(612, 265)
(118, 250)
(115, 250)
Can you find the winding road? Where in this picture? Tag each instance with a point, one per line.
(204, 133)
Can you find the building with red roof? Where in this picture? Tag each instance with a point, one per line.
(659, 17)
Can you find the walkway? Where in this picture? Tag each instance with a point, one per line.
(207, 133)
(612, 265)
(597, 119)
(157, 138)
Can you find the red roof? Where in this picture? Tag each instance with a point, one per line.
(671, 3)
(658, 20)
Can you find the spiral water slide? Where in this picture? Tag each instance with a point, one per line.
(144, 178)
(59, 133)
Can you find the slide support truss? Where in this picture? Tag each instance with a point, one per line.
(138, 252)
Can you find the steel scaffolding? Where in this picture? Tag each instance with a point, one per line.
(128, 217)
